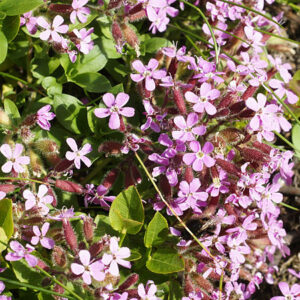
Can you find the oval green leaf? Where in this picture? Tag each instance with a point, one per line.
(18, 7)
(3, 47)
(6, 218)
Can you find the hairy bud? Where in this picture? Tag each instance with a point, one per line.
(179, 100)
(69, 186)
(96, 248)
(70, 236)
(110, 178)
(61, 8)
(131, 280)
(7, 188)
(88, 228)
(228, 166)
(59, 256)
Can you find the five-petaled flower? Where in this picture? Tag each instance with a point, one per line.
(44, 116)
(288, 293)
(79, 11)
(115, 109)
(116, 257)
(40, 236)
(15, 160)
(78, 155)
(88, 269)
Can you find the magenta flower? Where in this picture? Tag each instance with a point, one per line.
(78, 155)
(201, 102)
(40, 236)
(52, 31)
(147, 292)
(115, 109)
(187, 132)
(281, 91)
(79, 11)
(292, 293)
(15, 160)
(87, 269)
(199, 156)
(44, 116)
(100, 197)
(85, 44)
(21, 252)
(40, 200)
(158, 18)
(30, 22)
(116, 257)
(149, 73)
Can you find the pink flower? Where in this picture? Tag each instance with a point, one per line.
(116, 257)
(87, 269)
(15, 160)
(21, 252)
(78, 155)
(85, 44)
(187, 132)
(79, 11)
(115, 108)
(201, 102)
(41, 236)
(149, 73)
(30, 22)
(52, 30)
(41, 199)
(148, 292)
(199, 157)
(44, 116)
(292, 293)
(281, 91)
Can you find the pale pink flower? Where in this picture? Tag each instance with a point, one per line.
(21, 252)
(40, 236)
(292, 293)
(30, 22)
(52, 30)
(85, 44)
(78, 155)
(79, 11)
(87, 269)
(40, 200)
(147, 292)
(116, 257)
(44, 116)
(115, 108)
(15, 160)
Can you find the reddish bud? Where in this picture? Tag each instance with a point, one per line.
(232, 136)
(189, 174)
(237, 107)
(110, 147)
(228, 166)
(165, 186)
(114, 4)
(262, 147)
(203, 283)
(63, 166)
(7, 188)
(61, 8)
(252, 155)
(131, 280)
(46, 146)
(249, 92)
(117, 32)
(59, 256)
(69, 186)
(29, 121)
(137, 13)
(227, 100)
(70, 236)
(88, 228)
(222, 114)
(96, 248)
(130, 36)
(179, 100)
(110, 178)
(248, 113)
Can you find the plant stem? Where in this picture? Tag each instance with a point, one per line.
(170, 208)
(59, 283)
(23, 179)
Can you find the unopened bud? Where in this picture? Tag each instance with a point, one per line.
(46, 146)
(96, 248)
(88, 228)
(165, 186)
(117, 32)
(69, 186)
(179, 100)
(29, 121)
(110, 178)
(114, 4)
(36, 164)
(7, 188)
(203, 283)
(61, 8)
(228, 166)
(70, 236)
(59, 256)
(110, 147)
(189, 174)
(130, 36)
(237, 107)
(63, 166)
(137, 13)
(249, 92)
(222, 114)
(232, 136)
(227, 100)
(26, 134)
(262, 147)
(252, 155)
(131, 280)
(247, 113)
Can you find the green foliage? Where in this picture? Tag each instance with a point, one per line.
(3, 47)
(18, 7)
(127, 213)
(6, 218)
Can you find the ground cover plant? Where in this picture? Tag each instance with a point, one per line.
(144, 148)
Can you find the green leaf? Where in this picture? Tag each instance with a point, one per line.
(70, 113)
(18, 7)
(134, 255)
(92, 82)
(10, 27)
(49, 83)
(26, 274)
(165, 261)
(6, 218)
(3, 47)
(127, 212)
(156, 231)
(296, 137)
(154, 44)
(108, 48)
(103, 226)
(12, 111)
(3, 240)
(175, 291)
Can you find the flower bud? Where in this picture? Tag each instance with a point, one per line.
(237, 107)
(165, 186)
(131, 280)
(69, 186)
(202, 282)
(88, 228)
(249, 92)
(96, 248)
(130, 36)
(59, 256)
(61, 8)
(179, 100)
(252, 155)
(113, 4)
(247, 113)
(228, 167)
(70, 236)
(46, 146)
(262, 147)
(227, 100)
(26, 134)
(63, 165)
(232, 136)
(36, 164)
(189, 174)
(7, 188)
(110, 147)
(137, 13)
(110, 178)
(29, 121)
(117, 32)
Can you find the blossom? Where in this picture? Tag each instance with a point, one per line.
(149, 73)
(281, 91)
(85, 44)
(100, 197)
(288, 293)
(79, 11)
(115, 108)
(52, 30)
(199, 156)
(201, 102)
(116, 257)
(187, 132)
(15, 160)
(21, 252)
(41, 199)
(78, 155)
(87, 269)
(40, 236)
(30, 22)
(148, 292)
(44, 116)
(152, 117)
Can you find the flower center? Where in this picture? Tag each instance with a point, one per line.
(200, 154)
